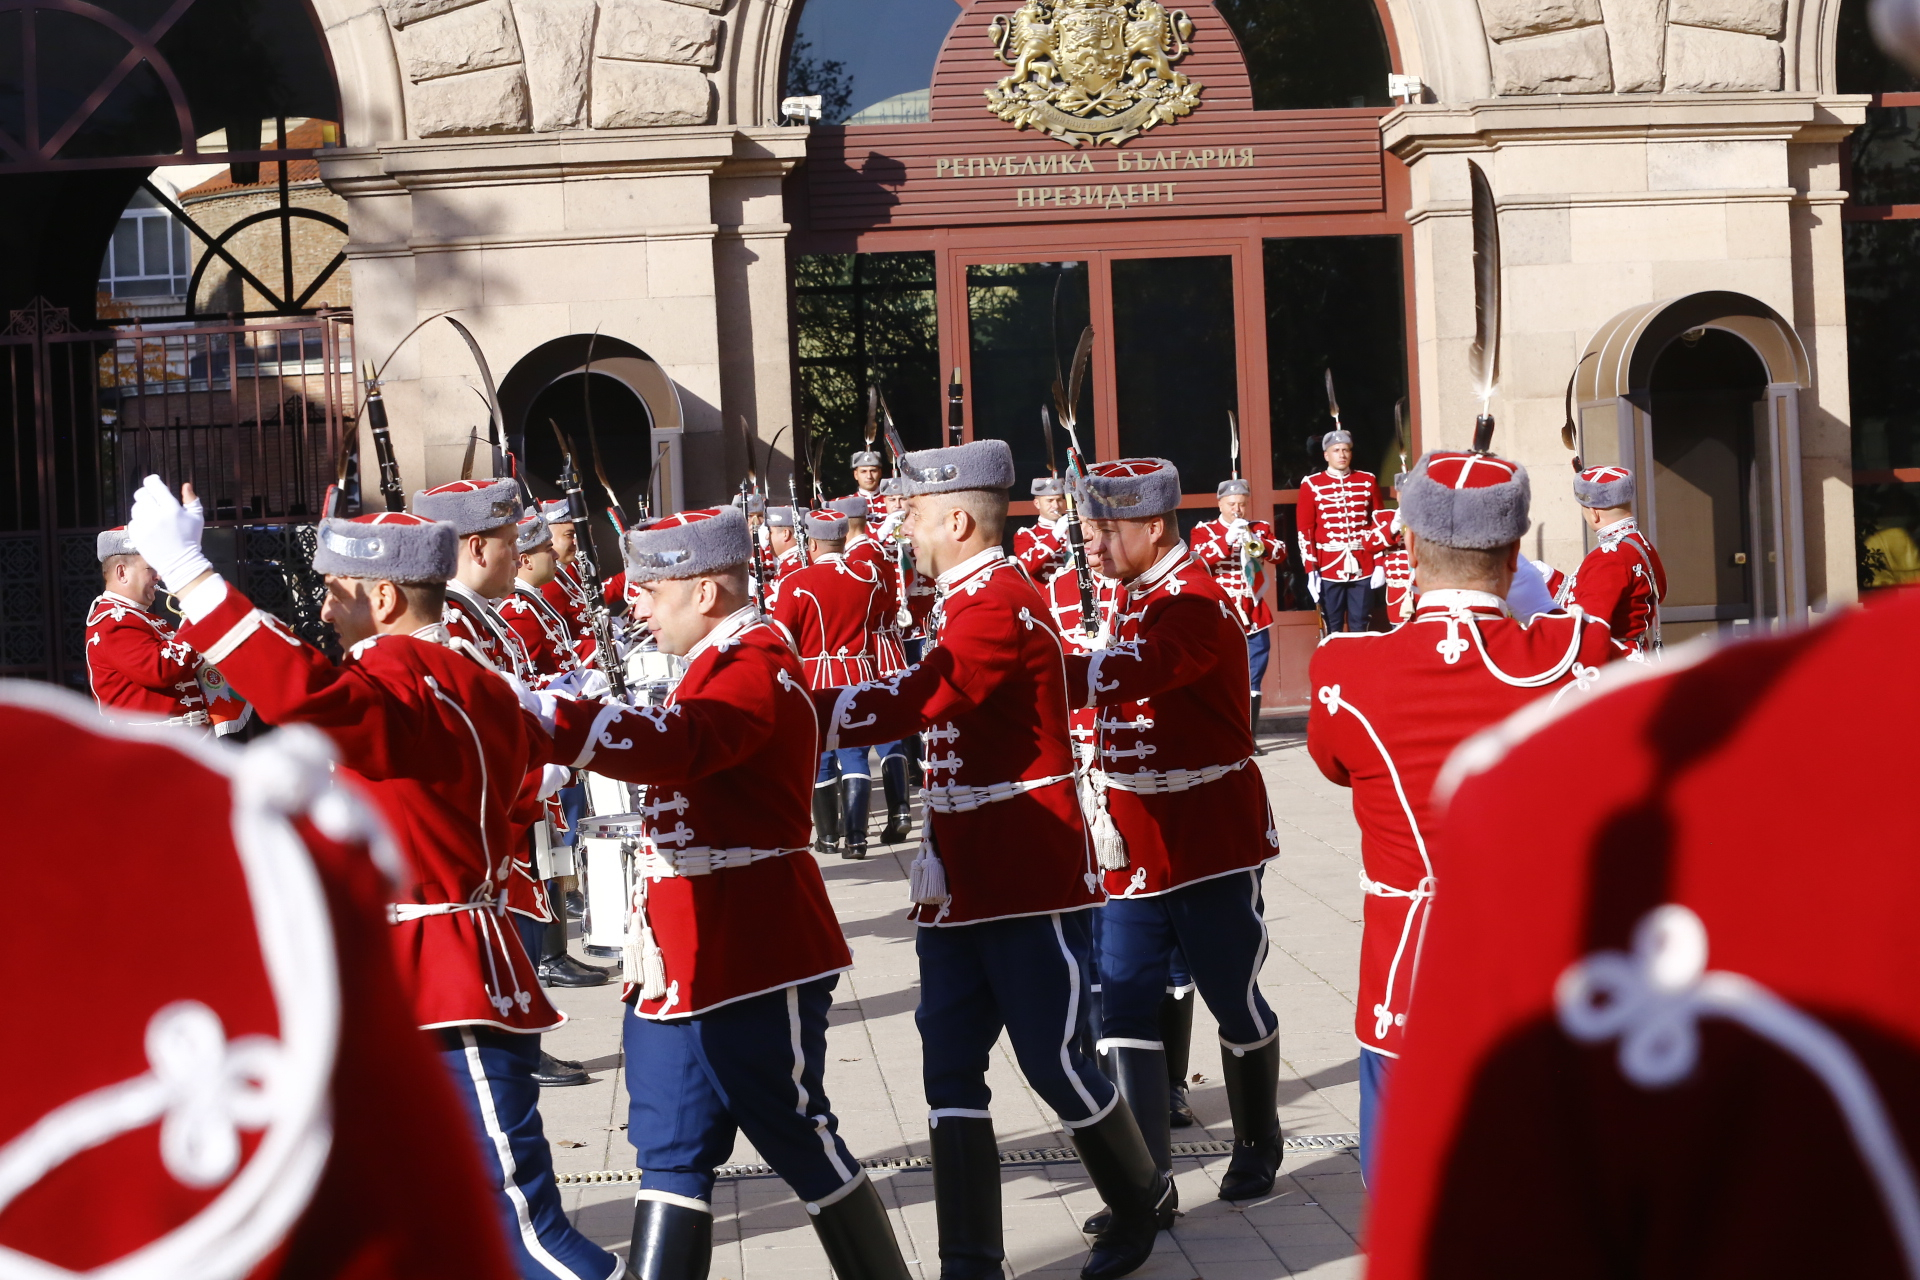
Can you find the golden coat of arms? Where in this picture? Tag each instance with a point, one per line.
(1092, 71)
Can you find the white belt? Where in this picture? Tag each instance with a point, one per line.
(1340, 546)
(1378, 890)
(658, 864)
(1145, 783)
(401, 912)
(955, 798)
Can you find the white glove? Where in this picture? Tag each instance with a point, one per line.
(1313, 586)
(552, 778)
(167, 534)
(586, 683)
(1236, 532)
(893, 521)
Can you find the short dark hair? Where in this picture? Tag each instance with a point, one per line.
(111, 563)
(831, 546)
(423, 597)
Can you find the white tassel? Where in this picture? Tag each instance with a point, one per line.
(644, 960)
(927, 877)
(1108, 846)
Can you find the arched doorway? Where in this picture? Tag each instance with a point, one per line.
(1700, 397)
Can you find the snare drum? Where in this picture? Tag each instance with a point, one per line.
(609, 844)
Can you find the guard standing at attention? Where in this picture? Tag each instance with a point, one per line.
(734, 950)
(136, 665)
(1391, 572)
(1005, 880)
(1179, 815)
(1622, 580)
(1388, 709)
(892, 563)
(1238, 552)
(831, 610)
(1335, 515)
(442, 743)
(1041, 547)
(866, 475)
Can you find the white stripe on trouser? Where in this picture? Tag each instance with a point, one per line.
(503, 1149)
(1073, 1030)
(1260, 957)
(935, 1116)
(848, 1176)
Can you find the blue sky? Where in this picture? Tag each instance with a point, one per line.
(888, 45)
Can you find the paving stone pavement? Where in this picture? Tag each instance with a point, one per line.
(1307, 1227)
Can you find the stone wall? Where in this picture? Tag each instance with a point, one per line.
(1635, 46)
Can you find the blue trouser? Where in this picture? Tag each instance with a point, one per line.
(1345, 604)
(753, 1066)
(1375, 1070)
(1217, 926)
(1259, 649)
(846, 762)
(573, 803)
(1028, 975)
(492, 1072)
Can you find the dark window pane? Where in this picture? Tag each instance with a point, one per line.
(1308, 54)
(1858, 62)
(1019, 335)
(1176, 365)
(1886, 157)
(859, 320)
(1883, 342)
(126, 248)
(871, 60)
(155, 260)
(1334, 303)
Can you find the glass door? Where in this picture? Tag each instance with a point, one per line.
(1023, 321)
(1176, 362)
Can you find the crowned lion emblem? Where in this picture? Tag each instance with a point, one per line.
(1092, 71)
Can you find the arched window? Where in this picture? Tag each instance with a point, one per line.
(1307, 54)
(870, 60)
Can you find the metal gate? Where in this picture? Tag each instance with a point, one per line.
(250, 414)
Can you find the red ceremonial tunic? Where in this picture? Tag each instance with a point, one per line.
(833, 610)
(1041, 548)
(1175, 751)
(1622, 582)
(1388, 708)
(542, 631)
(729, 762)
(1335, 515)
(357, 1163)
(137, 666)
(1704, 947)
(991, 694)
(1227, 564)
(1392, 569)
(1063, 602)
(443, 745)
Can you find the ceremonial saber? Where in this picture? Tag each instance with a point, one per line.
(605, 655)
(750, 487)
(1248, 569)
(902, 616)
(1483, 358)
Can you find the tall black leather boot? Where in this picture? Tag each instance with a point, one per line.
(670, 1242)
(893, 780)
(1252, 1080)
(1123, 1172)
(857, 1237)
(858, 793)
(1141, 1075)
(966, 1197)
(1176, 1033)
(826, 817)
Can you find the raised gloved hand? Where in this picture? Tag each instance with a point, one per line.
(584, 682)
(167, 533)
(1236, 532)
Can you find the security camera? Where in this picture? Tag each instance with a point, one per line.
(801, 110)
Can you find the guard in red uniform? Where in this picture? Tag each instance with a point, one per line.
(1388, 708)
(565, 593)
(1622, 579)
(1005, 878)
(735, 950)
(1238, 552)
(543, 632)
(1179, 815)
(866, 477)
(1392, 575)
(832, 609)
(891, 558)
(1041, 547)
(442, 743)
(256, 1102)
(783, 544)
(1689, 960)
(135, 664)
(1335, 516)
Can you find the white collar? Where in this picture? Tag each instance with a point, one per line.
(128, 601)
(730, 626)
(830, 557)
(432, 633)
(1339, 475)
(1162, 569)
(1618, 529)
(1458, 601)
(966, 569)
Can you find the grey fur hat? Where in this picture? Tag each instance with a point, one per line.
(853, 507)
(826, 526)
(1049, 487)
(1129, 489)
(113, 542)
(890, 487)
(557, 512)
(533, 533)
(1233, 489)
(865, 458)
(1332, 438)
(780, 517)
(1471, 500)
(688, 544)
(387, 546)
(1604, 487)
(471, 506)
(978, 464)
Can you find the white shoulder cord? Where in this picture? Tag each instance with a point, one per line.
(1545, 678)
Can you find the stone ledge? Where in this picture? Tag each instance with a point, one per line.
(1409, 132)
(1614, 199)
